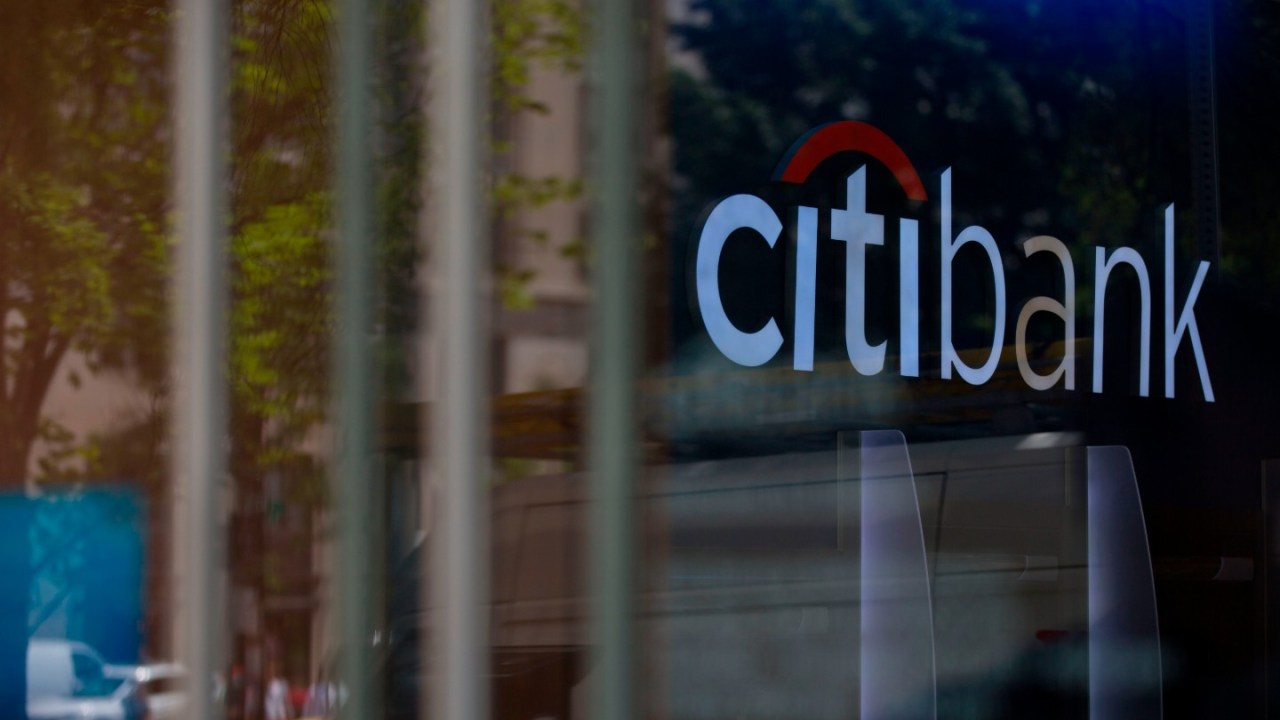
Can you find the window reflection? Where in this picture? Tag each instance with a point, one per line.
(783, 573)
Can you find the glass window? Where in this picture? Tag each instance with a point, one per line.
(684, 359)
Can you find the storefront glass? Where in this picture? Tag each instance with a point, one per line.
(743, 359)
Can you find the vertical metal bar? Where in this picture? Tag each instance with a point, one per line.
(1204, 131)
(354, 367)
(615, 351)
(200, 298)
(459, 577)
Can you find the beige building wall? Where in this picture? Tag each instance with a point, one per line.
(544, 347)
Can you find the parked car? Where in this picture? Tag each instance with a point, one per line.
(67, 679)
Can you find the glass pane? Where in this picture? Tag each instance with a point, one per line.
(953, 345)
(1016, 234)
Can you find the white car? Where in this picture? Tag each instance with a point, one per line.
(68, 680)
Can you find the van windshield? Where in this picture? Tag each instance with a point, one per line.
(90, 680)
(96, 687)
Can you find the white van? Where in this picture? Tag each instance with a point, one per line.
(67, 678)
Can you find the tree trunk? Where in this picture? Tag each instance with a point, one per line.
(245, 556)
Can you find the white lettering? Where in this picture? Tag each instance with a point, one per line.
(1067, 312)
(733, 213)
(1102, 270)
(909, 297)
(1186, 318)
(806, 286)
(979, 235)
(858, 228)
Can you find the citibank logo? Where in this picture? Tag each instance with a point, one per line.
(858, 228)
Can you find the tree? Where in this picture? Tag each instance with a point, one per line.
(83, 202)
(82, 238)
